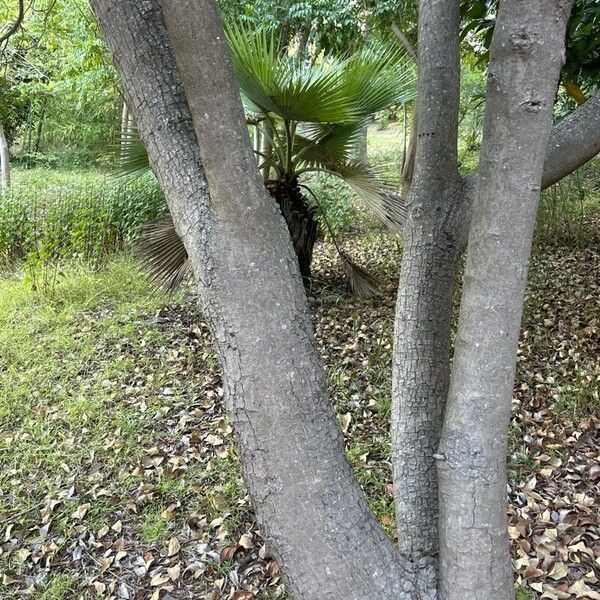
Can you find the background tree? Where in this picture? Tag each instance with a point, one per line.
(13, 112)
(57, 60)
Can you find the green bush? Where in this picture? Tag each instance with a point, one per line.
(48, 216)
(337, 201)
(569, 212)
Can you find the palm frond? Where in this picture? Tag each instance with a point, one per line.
(324, 144)
(360, 282)
(163, 254)
(280, 85)
(378, 77)
(133, 159)
(387, 206)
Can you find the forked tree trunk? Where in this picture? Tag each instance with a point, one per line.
(4, 161)
(420, 370)
(306, 498)
(526, 56)
(309, 504)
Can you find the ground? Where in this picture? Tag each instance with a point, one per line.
(119, 478)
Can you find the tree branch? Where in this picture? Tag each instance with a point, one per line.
(16, 24)
(574, 141)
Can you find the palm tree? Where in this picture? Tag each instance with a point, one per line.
(306, 118)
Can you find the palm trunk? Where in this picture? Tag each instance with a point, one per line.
(300, 218)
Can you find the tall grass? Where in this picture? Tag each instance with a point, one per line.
(49, 216)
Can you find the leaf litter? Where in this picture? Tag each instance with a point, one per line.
(172, 519)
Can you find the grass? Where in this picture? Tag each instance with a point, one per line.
(48, 216)
(523, 593)
(59, 587)
(59, 401)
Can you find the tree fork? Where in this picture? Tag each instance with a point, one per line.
(306, 498)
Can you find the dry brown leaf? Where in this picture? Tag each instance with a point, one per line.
(81, 511)
(174, 546)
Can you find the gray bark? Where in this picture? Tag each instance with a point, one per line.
(573, 141)
(4, 161)
(526, 56)
(422, 324)
(312, 510)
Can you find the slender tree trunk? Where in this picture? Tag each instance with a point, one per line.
(267, 148)
(40, 126)
(257, 140)
(408, 160)
(308, 502)
(421, 377)
(526, 56)
(420, 374)
(363, 143)
(4, 161)
(124, 119)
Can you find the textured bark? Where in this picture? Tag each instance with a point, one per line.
(312, 510)
(4, 161)
(422, 325)
(526, 56)
(421, 378)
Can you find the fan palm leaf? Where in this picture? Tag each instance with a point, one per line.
(133, 159)
(279, 85)
(378, 77)
(312, 117)
(363, 180)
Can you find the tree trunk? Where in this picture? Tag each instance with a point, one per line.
(421, 370)
(526, 56)
(4, 161)
(124, 128)
(40, 126)
(574, 141)
(309, 504)
(420, 374)
(363, 143)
